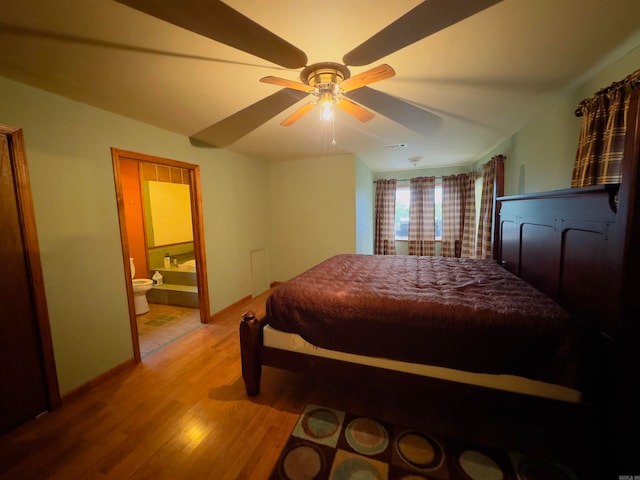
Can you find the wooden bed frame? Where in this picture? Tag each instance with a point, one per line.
(574, 245)
(560, 242)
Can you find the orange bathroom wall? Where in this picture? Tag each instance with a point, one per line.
(134, 215)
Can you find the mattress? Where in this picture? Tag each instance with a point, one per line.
(510, 383)
(462, 314)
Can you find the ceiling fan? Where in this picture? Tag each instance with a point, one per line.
(330, 84)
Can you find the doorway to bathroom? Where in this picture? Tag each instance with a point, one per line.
(160, 214)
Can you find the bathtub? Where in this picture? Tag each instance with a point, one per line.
(188, 266)
(180, 286)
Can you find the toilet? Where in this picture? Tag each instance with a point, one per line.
(140, 288)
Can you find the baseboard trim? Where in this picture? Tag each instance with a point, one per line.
(231, 307)
(93, 383)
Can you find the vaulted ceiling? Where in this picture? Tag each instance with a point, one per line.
(456, 94)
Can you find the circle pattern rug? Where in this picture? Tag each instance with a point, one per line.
(327, 443)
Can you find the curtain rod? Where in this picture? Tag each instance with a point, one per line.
(397, 179)
(477, 172)
(633, 79)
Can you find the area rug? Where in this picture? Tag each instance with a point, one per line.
(331, 444)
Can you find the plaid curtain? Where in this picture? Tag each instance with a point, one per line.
(452, 215)
(422, 214)
(485, 222)
(468, 249)
(602, 138)
(385, 218)
(458, 215)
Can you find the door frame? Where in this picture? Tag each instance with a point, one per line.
(18, 159)
(198, 234)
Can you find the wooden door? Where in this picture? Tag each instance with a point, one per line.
(27, 375)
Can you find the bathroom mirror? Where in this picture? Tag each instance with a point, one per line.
(167, 213)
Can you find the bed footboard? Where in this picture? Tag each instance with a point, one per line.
(250, 346)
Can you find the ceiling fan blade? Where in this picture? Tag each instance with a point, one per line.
(218, 21)
(283, 82)
(425, 19)
(355, 110)
(412, 117)
(290, 120)
(236, 126)
(381, 72)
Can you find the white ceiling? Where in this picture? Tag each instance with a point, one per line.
(483, 78)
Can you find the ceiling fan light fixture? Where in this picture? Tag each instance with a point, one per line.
(326, 107)
(325, 79)
(324, 72)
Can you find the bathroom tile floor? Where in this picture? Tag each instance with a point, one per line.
(163, 324)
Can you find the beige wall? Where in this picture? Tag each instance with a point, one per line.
(69, 159)
(313, 213)
(364, 208)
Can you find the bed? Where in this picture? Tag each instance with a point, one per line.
(412, 309)
(570, 251)
(491, 323)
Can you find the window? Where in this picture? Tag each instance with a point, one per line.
(403, 201)
(402, 212)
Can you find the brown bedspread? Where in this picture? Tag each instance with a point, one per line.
(459, 313)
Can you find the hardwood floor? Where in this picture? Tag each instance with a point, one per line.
(183, 414)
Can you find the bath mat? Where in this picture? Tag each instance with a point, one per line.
(331, 444)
